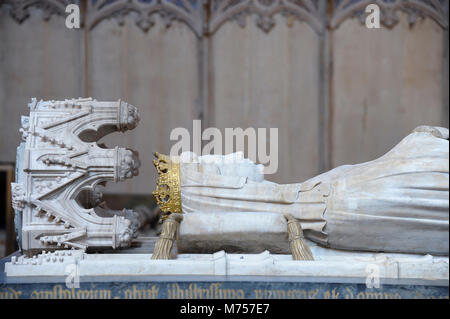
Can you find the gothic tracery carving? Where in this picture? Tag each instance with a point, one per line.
(415, 9)
(19, 9)
(193, 12)
(57, 160)
(186, 11)
(303, 10)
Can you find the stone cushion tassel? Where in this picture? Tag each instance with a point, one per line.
(168, 235)
(299, 248)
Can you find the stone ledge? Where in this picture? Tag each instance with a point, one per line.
(325, 267)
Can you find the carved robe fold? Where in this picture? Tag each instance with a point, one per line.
(396, 203)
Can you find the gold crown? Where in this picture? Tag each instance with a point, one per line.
(168, 191)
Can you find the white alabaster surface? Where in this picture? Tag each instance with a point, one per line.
(257, 231)
(342, 265)
(396, 203)
(58, 161)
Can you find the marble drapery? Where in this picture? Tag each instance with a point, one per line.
(396, 203)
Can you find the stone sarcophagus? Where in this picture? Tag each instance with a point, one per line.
(59, 162)
(383, 218)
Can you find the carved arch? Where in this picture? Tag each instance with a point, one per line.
(302, 10)
(19, 9)
(189, 12)
(193, 12)
(415, 9)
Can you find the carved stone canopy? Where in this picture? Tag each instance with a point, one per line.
(57, 161)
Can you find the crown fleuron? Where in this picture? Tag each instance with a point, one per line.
(168, 191)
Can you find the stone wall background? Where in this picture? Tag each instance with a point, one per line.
(338, 92)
